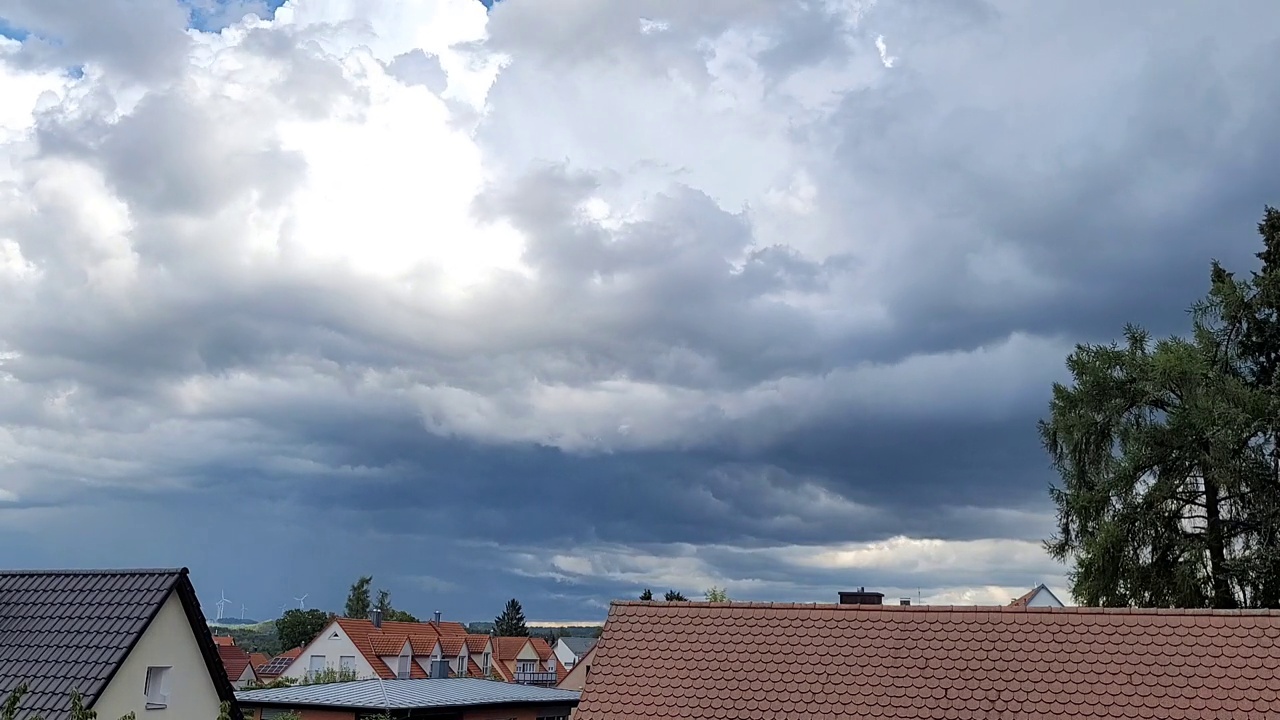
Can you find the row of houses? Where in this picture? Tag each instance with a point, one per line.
(376, 649)
(135, 641)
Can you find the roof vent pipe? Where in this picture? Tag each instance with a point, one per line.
(376, 616)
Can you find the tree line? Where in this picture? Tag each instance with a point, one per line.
(1168, 453)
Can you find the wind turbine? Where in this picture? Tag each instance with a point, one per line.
(222, 604)
(242, 609)
(283, 607)
(302, 601)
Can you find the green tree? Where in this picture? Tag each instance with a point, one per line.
(647, 595)
(673, 596)
(383, 603)
(717, 594)
(511, 622)
(1167, 455)
(299, 627)
(330, 675)
(358, 600)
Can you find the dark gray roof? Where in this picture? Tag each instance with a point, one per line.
(578, 645)
(408, 694)
(70, 630)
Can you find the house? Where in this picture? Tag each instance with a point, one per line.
(527, 660)
(439, 698)
(1039, 596)
(576, 678)
(569, 650)
(128, 640)
(238, 665)
(271, 669)
(223, 640)
(410, 650)
(748, 661)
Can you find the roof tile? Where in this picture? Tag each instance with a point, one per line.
(697, 661)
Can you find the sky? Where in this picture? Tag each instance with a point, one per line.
(563, 299)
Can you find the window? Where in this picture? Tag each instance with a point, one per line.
(402, 672)
(347, 662)
(527, 666)
(316, 663)
(462, 664)
(157, 688)
(485, 664)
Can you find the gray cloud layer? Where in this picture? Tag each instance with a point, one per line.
(778, 316)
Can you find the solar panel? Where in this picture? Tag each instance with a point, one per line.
(276, 666)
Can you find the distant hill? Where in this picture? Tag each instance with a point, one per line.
(259, 637)
(231, 622)
(484, 628)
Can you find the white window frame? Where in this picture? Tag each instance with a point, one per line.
(402, 667)
(311, 663)
(156, 687)
(527, 666)
(347, 662)
(485, 665)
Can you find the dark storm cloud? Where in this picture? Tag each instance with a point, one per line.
(682, 397)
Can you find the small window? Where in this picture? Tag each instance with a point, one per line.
(485, 665)
(347, 662)
(317, 663)
(403, 671)
(157, 688)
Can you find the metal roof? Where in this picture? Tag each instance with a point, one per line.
(380, 694)
(578, 645)
(64, 630)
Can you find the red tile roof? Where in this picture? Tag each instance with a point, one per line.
(696, 661)
(507, 648)
(223, 640)
(477, 643)
(258, 659)
(234, 659)
(1022, 600)
(390, 639)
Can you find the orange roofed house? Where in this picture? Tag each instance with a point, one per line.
(747, 661)
(376, 649)
(527, 660)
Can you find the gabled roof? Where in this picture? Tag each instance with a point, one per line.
(408, 695)
(1026, 599)
(221, 640)
(696, 661)
(257, 660)
(477, 643)
(577, 645)
(507, 648)
(234, 660)
(389, 639)
(71, 630)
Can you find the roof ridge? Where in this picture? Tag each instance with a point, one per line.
(100, 571)
(1067, 610)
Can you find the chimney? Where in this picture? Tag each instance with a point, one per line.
(904, 601)
(861, 597)
(376, 616)
(437, 618)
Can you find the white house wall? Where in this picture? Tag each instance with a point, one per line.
(168, 642)
(332, 649)
(1043, 598)
(566, 656)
